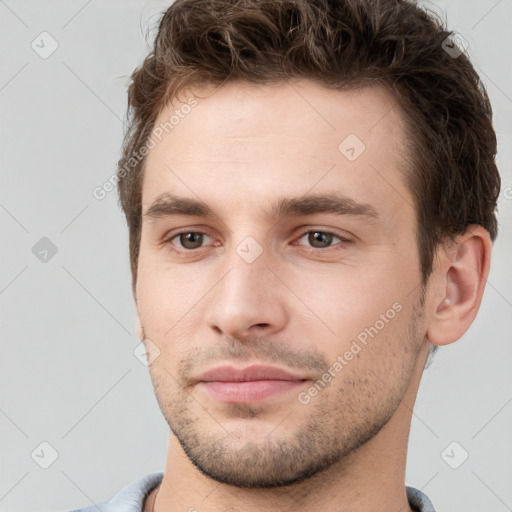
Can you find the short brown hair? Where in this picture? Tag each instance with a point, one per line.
(340, 44)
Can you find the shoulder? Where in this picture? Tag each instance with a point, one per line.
(128, 499)
(418, 500)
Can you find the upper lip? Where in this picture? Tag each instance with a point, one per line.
(254, 372)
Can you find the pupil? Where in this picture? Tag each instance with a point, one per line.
(323, 238)
(191, 240)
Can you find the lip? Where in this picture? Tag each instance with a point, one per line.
(254, 372)
(250, 384)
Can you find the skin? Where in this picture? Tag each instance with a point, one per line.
(299, 305)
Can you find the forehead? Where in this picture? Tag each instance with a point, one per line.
(250, 141)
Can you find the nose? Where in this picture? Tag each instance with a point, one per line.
(247, 301)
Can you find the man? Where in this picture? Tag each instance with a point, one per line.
(310, 189)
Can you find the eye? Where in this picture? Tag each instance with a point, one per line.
(193, 240)
(321, 239)
(188, 240)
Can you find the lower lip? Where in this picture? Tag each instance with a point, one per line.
(249, 391)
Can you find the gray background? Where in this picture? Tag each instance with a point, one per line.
(68, 375)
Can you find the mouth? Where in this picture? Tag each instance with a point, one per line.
(248, 391)
(251, 384)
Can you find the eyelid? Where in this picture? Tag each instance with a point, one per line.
(326, 231)
(169, 237)
(310, 229)
(343, 239)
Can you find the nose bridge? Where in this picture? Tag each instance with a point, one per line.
(247, 277)
(246, 295)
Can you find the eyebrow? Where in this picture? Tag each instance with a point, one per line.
(167, 204)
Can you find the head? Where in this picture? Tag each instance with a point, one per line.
(350, 119)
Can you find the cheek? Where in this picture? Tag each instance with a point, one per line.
(368, 319)
(166, 297)
(345, 301)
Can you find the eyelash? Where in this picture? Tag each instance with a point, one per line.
(168, 242)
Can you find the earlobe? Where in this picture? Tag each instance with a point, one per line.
(460, 278)
(140, 329)
(138, 324)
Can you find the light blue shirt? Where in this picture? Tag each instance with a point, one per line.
(131, 498)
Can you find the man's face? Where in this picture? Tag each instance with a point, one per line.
(330, 296)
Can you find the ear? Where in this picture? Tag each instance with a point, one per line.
(457, 285)
(138, 323)
(140, 329)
